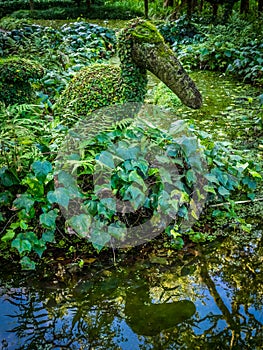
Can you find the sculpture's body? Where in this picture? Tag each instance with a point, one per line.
(141, 47)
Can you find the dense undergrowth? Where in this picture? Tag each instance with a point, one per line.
(32, 205)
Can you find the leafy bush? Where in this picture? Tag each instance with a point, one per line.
(8, 7)
(15, 76)
(62, 52)
(180, 31)
(27, 181)
(96, 12)
(163, 96)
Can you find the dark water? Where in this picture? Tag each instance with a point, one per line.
(208, 298)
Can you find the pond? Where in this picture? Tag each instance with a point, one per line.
(208, 297)
(205, 297)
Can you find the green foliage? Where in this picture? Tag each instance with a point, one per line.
(61, 51)
(180, 31)
(163, 96)
(8, 7)
(235, 47)
(27, 185)
(15, 74)
(101, 85)
(73, 12)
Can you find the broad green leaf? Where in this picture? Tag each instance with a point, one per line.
(48, 220)
(24, 201)
(223, 191)
(36, 187)
(27, 263)
(109, 203)
(7, 177)
(252, 184)
(212, 178)
(117, 230)
(137, 196)
(66, 179)
(61, 196)
(106, 158)
(99, 235)
(135, 177)
(10, 234)
(189, 145)
(39, 247)
(5, 198)
(255, 174)
(48, 236)
(41, 169)
(209, 189)
(81, 224)
(22, 245)
(190, 176)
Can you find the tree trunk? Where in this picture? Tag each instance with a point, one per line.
(189, 8)
(88, 3)
(244, 6)
(31, 4)
(168, 3)
(215, 9)
(146, 8)
(201, 6)
(260, 6)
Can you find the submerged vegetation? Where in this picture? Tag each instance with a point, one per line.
(35, 193)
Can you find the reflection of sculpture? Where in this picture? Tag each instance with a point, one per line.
(146, 318)
(106, 310)
(141, 48)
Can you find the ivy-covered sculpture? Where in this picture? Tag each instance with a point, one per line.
(140, 47)
(15, 75)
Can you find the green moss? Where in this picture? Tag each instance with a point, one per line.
(144, 31)
(163, 96)
(103, 84)
(13, 69)
(15, 75)
(93, 87)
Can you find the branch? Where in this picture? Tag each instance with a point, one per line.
(238, 202)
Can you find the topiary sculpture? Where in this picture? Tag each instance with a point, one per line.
(15, 74)
(141, 47)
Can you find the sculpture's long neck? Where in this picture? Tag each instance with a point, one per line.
(161, 61)
(134, 82)
(134, 78)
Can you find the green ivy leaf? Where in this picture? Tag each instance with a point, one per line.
(10, 234)
(48, 236)
(61, 196)
(22, 245)
(106, 158)
(41, 169)
(135, 196)
(209, 189)
(24, 201)
(48, 220)
(27, 263)
(135, 177)
(223, 191)
(39, 247)
(117, 230)
(7, 177)
(80, 224)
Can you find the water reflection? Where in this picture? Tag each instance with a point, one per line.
(210, 300)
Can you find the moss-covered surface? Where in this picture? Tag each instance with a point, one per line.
(104, 84)
(93, 87)
(140, 47)
(15, 75)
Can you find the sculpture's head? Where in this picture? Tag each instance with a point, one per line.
(141, 43)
